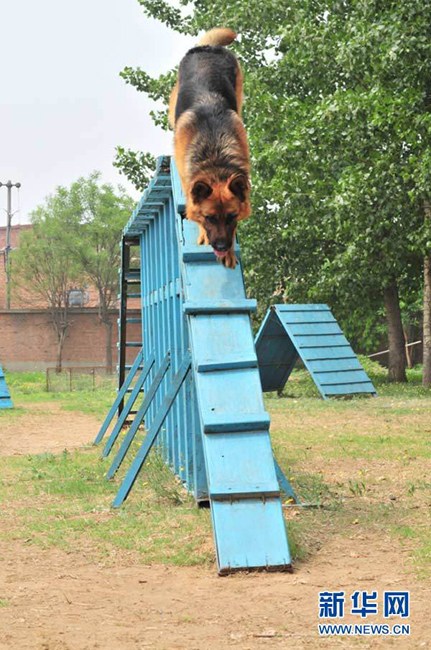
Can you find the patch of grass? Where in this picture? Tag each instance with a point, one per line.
(419, 537)
(28, 388)
(64, 501)
(360, 461)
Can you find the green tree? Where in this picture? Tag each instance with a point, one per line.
(44, 266)
(74, 241)
(337, 112)
(98, 216)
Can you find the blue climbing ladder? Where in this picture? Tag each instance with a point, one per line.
(202, 403)
(5, 400)
(311, 333)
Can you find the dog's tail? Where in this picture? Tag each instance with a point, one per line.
(218, 36)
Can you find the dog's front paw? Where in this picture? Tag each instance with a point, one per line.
(230, 260)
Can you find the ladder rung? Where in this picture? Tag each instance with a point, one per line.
(220, 306)
(129, 295)
(129, 390)
(133, 344)
(220, 493)
(233, 364)
(235, 422)
(136, 319)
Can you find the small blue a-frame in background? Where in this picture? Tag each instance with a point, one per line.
(5, 400)
(311, 333)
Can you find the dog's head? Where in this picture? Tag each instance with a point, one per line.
(217, 207)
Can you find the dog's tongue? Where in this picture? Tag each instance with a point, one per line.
(219, 253)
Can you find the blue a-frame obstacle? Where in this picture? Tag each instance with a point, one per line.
(5, 400)
(311, 333)
(195, 383)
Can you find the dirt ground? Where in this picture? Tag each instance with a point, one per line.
(62, 601)
(46, 429)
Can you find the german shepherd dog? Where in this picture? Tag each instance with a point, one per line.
(210, 142)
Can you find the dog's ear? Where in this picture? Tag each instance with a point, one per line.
(200, 191)
(239, 186)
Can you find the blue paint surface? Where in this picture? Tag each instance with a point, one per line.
(311, 333)
(5, 399)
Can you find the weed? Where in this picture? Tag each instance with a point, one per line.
(357, 488)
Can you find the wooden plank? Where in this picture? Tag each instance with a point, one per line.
(228, 364)
(206, 306)
(297, 317)
(332, 365)
(357, 376)
(317, 329)
(222, 392)
(119, 398)
(5, 399)
(240, 464)
(222, 339)
(249, 534)
(137, 388)
(322, 352)
(229, 422)
(316, 341)
(281, 308)
(6, 403)
(348, 389)
(137, 421)
(285, 484)
(4, 391)
(153, 431)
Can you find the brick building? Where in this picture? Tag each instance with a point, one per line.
(27, 338)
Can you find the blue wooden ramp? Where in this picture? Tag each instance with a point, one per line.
(5, 400)
(311, 333)
(202, 403)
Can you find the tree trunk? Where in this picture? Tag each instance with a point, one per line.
(426, 378)
(108, 351)
(397, 350)
(61, 336)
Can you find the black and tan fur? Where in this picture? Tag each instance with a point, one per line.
(210, 142)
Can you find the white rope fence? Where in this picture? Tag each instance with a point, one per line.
(377, 354)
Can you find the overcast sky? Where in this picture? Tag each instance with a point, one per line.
(63, 106)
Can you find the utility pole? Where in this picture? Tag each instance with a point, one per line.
(7, 249)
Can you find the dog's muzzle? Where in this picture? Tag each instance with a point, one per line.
(220, 249)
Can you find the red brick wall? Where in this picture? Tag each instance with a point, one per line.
(23, 297)
(28, 342)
